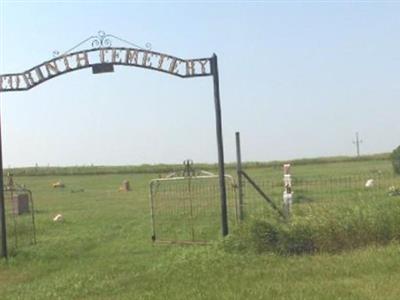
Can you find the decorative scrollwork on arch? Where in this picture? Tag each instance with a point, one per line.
(101, 40)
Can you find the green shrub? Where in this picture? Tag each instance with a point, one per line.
(298, 239)
(395, 157)
(266, 236)
(346, 227)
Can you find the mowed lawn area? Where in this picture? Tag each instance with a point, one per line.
(103, 250)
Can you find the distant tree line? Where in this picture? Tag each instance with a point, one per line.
(168, 168)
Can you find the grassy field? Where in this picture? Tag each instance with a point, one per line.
(103, 250)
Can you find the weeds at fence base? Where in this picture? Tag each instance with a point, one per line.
(331, 231)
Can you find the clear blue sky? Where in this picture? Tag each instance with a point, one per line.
(297, 79)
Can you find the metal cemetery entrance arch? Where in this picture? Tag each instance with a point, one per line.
(102, 57)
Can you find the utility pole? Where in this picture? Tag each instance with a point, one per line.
(357, 142)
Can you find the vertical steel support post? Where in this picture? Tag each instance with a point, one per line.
(221, 166)
(239, 175)
(4, 252)
(153, 222)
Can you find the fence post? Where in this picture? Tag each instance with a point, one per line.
(239, 175)
(153, 222)
(4, 252)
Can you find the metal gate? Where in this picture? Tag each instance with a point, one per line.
(188, 209)
(20, 214)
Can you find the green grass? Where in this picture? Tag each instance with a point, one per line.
(103, 250)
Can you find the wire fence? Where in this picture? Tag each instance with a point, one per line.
(329, 191)
(188, 209)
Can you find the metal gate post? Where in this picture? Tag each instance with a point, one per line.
(221, 166)
(4, 252)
